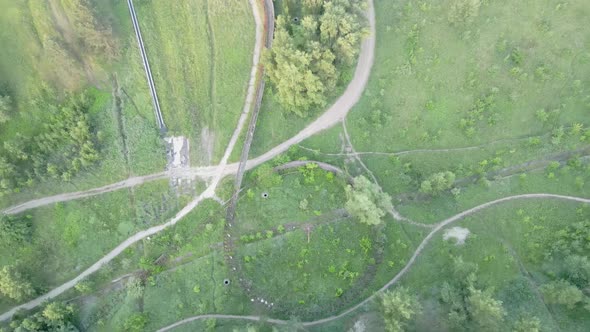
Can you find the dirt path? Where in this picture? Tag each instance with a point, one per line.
(404, 152)
(131, 182)
(250, 95)
(399, 275)
(216, 175)
(336, 113)
(107, 258)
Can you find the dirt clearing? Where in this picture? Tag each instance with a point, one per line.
(458, 233)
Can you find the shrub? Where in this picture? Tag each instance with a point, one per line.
(366, 201)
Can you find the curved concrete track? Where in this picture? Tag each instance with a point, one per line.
(400, 274)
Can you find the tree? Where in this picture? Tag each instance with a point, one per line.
(84, 287)
(57, 313)
(470, 307)
(437, 183)
(399, 306)
(266, 177)
(135, 288)
(562, 292)
(366, 201)
(5, 106)
(136, 322)
(527, 324)
(14, 285)
(577, 270)
(486, 312)
(15, 230)
(307, 54)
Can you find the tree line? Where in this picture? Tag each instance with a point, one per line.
(64, 145)
(313, 41)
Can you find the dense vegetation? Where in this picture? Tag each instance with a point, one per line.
(63, 147)
(53, 317)
(313, 40)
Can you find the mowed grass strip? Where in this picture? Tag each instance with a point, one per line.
(200, 53)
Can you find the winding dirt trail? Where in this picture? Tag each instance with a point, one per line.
(400, 274)
(336, 113)
(216, 173)
(130, 182)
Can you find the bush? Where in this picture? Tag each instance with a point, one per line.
(366, 201)
(437, 183)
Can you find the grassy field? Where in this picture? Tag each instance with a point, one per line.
(200, 53)
(50, 63)
(504, 109)
(508, 244)
(188, 281)
(68, 237)
(497, 95)
(529, 75)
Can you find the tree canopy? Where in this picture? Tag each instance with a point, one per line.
(437, 183)
(399, 307)
(366, 201)
(313, 40)
(14, 285)
(470, 306)
(562, 292)
(64, 146)
(527, 324)
(5, 106)
(54, 317)
(136, 323)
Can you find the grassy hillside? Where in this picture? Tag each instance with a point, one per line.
(200, 53)
(58, 49)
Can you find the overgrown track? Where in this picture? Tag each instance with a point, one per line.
(399, 275)
(130, 182)
(146, 66)
(269, 28)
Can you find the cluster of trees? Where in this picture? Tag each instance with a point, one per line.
(437, 183)
(5, 107)
(399, 307)
(65, 145)
(569, 253)
(366, 201)
(14, 285)
(470, 308)
(15, 230)
(313, 40)
(54, 317)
